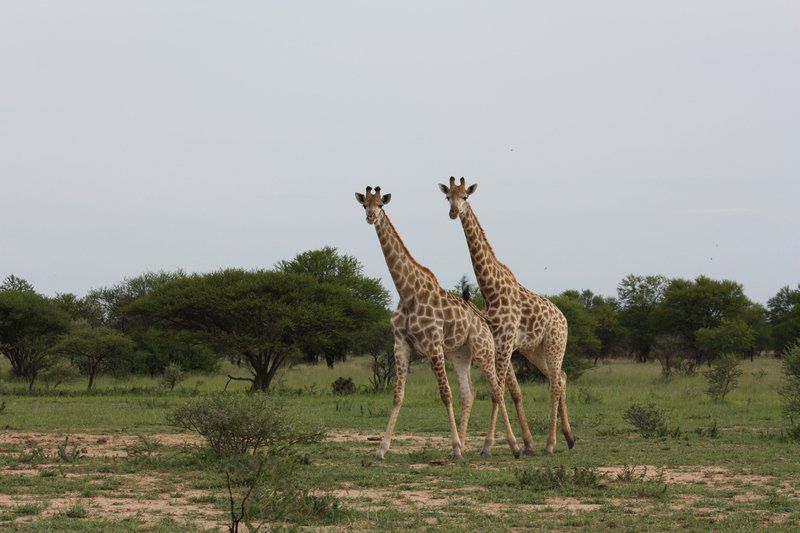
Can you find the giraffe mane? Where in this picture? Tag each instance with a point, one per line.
(489, 245)
(423, 268)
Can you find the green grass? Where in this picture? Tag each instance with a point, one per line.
(741, 436)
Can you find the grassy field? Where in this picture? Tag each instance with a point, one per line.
(123, 468)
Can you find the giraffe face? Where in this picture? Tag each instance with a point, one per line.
(457, 195)
(373, 203)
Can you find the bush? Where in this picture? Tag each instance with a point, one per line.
(172, 375)
(242, 423)
(557, 477)
(648, 419)
(63, 370)
(343, 386)
(790, 386)
(245, 432)
(723, 376)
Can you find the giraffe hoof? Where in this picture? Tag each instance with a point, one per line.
(486, 453)
(378, 456)
(547, 451)
(517, 454)
(570, 442)
(529, 452)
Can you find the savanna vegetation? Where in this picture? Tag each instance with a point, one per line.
(244, 400)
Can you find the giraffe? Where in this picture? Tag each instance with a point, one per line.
(437, 325)
(519, 319)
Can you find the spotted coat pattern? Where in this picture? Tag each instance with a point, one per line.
(519, 319)
(437, 325)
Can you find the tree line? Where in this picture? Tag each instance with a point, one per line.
(319, 306)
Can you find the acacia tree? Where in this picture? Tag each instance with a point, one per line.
(29, 326)
(259, 318)
(91, 349)
(327, 265)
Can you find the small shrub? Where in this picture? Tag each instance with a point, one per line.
(34, 454)
(76, 510)
(172, 375)
(760, 375)
(62, 371)
(68, 453)
(723, 376)
(240, 423)
(648, 419)
(557, 477)
(628, 474)
(343, 386)
(142, 449)
(2, 406)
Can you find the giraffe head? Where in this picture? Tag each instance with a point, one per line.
(373, 203)
(457, 195)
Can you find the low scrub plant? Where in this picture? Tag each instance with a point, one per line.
(254, 447)
(68, 453)
(240, 423)
(557, 477)
(723, 376)
(648, 419)
(172, 375)
(343, 386)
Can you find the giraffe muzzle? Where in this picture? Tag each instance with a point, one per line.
(453, 214)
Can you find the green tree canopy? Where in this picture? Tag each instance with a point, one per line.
(784, 317)
(732, 335)
(260, 318)
(92, 349)
(639, 297)
(13, 283)
(690, 305)
(29, 326)
(327, 265)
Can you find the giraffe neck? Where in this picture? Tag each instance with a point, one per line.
(404, 269)
(489, 271)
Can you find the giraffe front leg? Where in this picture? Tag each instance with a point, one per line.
(402, 355)
(437, 363)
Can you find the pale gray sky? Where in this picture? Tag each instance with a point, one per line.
(607, 137)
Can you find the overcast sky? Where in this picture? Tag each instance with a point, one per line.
(607, 138)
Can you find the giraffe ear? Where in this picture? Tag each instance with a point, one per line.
(444, 188)
(360, 198)
(472, 188)
(386, 198)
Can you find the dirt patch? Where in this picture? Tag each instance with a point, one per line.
(90, 445)
(715, 476)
